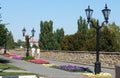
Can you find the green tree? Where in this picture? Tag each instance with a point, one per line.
(116, 31)
(82, 25)
(3, 34)
(10, 41)
(46, 36)
(111, 38)
(91, 37)
(78, 40)
(81, 35)
(58, 37)
(91, 40)
(67, 43)
(107, 40)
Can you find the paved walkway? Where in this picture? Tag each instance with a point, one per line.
(51, 72)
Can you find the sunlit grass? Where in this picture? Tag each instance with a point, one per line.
(7, 66)
(15, 74)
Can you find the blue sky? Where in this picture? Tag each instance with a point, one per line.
(63, 13)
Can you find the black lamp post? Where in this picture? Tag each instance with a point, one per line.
(33, 31)
(106, 13)
(27, 38)
(24, 31)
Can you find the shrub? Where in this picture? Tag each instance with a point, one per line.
(28, 58)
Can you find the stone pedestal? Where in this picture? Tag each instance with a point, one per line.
(117, 71)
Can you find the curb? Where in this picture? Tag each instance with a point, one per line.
(26, 76)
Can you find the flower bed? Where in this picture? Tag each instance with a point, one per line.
(92, 75)
(48, 65)
(29, 59)
(9, 55)
(73, 68)
(17, 57)
(38, 61)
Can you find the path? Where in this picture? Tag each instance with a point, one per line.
(50, 72)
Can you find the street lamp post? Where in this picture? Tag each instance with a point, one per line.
(28, 44)
(106, 12)
(33, 31)
(27, 38)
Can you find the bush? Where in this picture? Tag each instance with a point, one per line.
(28, 58)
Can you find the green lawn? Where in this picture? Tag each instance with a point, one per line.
(6, 66)
(15, 74)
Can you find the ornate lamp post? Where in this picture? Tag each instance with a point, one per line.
(24, 31)
(106, 12)
(27, 38)
(33, 31)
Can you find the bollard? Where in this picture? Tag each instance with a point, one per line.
(117, 71)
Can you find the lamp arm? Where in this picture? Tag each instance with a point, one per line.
(30, 37)
(93, 24)
(102, 24)
(97, 26)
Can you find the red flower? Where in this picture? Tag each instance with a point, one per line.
(9, 55)
(39, 61)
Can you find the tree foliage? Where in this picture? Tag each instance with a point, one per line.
(85, 38)
(3, 34)
(10, 41)
(46, 35)
(47, 39)
(6, 37)
(58, 37)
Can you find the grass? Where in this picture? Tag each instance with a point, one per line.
(5, 66)
(15, 74)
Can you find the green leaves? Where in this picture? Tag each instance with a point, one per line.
(6, 37)
(49, 40)
(3, 32)
(85, 39)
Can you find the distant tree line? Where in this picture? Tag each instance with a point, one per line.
(83, 40)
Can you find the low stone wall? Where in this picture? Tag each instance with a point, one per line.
(107, 59)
